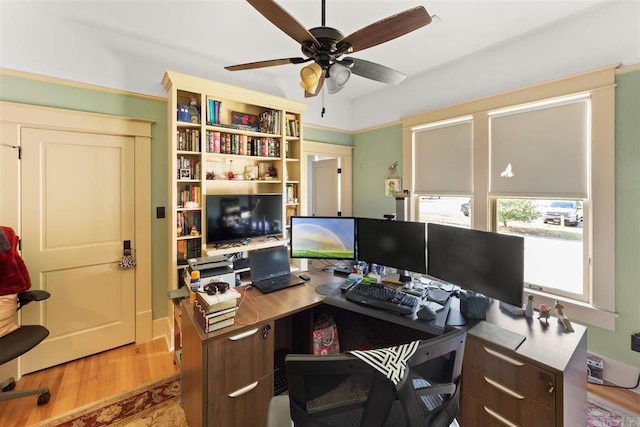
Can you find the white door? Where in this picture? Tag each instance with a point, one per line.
(77, 209)
(326, 187)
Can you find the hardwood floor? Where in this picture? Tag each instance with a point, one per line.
(621, 397)
(87, 380)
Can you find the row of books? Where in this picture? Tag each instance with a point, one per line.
(188, 140)
(213, 111)
(226, 143)
(293, 127)
(187, 249)
(190, 193)
(188, 223)
(270, 122)
(291, 193)
(188, 168)
(213, 312)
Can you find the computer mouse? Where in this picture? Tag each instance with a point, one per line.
(426, 313)
(305, 277)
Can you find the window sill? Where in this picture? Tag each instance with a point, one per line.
(576, 310)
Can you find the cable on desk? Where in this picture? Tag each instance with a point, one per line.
(244, 295)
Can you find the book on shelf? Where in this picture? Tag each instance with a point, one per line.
(219, 301)
(213, 111)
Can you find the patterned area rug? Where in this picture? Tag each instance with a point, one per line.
(153, 404)
(602, 413)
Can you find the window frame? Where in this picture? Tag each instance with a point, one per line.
(600, 207)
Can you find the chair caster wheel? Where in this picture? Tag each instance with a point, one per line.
(9, 386)
(43, 399)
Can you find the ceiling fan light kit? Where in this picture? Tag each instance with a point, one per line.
(325, 46)
(310, 77)
(337, 78)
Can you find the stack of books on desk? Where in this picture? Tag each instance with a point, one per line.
(213, 312)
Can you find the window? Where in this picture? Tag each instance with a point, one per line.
(542, 149)
(445, 210)
(554, 249)
(547, 149)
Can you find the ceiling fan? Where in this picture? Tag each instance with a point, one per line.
(325, 46)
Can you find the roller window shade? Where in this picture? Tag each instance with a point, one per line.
(546, 149)
(443, 159)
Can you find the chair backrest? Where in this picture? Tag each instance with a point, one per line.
(343, 390)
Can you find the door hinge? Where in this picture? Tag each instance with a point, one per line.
(19, 244)
(19, 153)
(339, 170)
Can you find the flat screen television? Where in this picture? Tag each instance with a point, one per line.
(237, 217)
(321, 237)
(487, 263)
(398, 244)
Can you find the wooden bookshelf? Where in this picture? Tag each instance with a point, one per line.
(225, 139)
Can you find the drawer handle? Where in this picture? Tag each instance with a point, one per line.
(504, 389)
(500, 418)
(514, 362)
(243, 335)
(244, 390)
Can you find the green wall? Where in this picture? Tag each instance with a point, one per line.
(328, 136)
(373, 153)
(618, 345)
(27, 91)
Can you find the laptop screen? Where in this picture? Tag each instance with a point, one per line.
(269, 263)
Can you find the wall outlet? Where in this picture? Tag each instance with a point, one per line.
(635, 342)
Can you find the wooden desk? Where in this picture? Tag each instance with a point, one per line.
(541, 383)
(227, 375)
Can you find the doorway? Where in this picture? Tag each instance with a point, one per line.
(82, 186)
(327, 193)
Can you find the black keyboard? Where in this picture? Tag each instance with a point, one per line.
(379, 296)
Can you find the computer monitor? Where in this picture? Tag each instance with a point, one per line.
(322, 237)
(398, 244)
(487, 263)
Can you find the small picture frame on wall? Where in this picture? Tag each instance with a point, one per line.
(185, 174)
(391, 185)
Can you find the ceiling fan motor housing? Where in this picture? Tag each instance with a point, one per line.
(326, 53)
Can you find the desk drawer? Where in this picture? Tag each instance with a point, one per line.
(508, 370)
(516, 407)
(239, 359)
(247, 406)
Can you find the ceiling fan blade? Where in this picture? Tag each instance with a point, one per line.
(373, 71)
(386, 29)
(283, 20)
(319, 88)
(269, 63)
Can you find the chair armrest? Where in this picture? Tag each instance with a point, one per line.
(26, 297)
(444, 388)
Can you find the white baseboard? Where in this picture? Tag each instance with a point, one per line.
(162, 329)
(619, 373)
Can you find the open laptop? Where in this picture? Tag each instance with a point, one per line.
(270, 270)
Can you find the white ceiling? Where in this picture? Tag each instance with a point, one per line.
(228, 32)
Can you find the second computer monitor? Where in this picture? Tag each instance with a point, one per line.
(398, 244)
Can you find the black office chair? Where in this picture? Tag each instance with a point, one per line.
(343, 390)
(17, 343)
